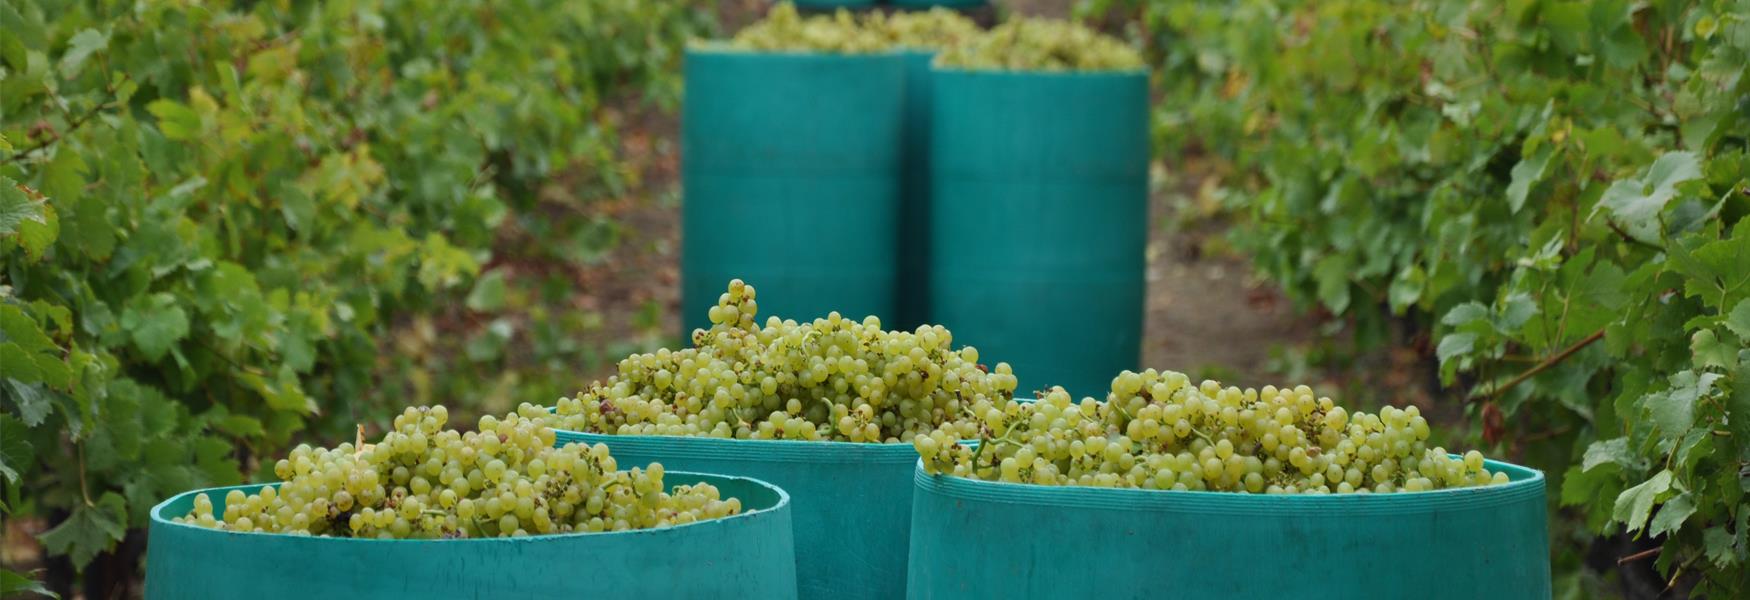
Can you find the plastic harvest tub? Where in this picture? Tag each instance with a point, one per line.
(790, 164)
(980, 539)
(852, 501)
(1039, 218)
(747, 555)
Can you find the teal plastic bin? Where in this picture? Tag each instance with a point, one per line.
(791, 166)
(852, 501)
(919, 4)
(750, 555)
(1039, 220)
(914, 205)
(979, 539)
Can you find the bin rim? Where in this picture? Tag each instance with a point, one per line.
(718, 48)
(781, 504)
(1524, 484)
(1092, 74)
(753, 450)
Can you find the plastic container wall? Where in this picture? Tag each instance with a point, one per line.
(852, 502)
(979, 539)
(791, 169)
(750, 555)
(1039, 218)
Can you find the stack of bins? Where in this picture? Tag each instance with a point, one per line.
(747, 555)
(791, 170)
(1004, 540)
(1039, 219)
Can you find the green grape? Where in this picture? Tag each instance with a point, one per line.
(1156, 430)
(935, 29)
(504, 479)
(1033, 44)
(832, 379)
(786, 30)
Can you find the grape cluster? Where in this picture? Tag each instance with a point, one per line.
(1031, 44)
(785, 30)
(1156, 430)
(934, 29)
(831, 379)
(423, 481)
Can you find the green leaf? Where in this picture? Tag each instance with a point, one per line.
(1633, 505)
(20, 364)
(488, 293)
(1673, 410)
(1737, 405)
(81, 47)
(175, 120)
(1406, 288)
(1672, 514)
(1526, 174)
(17, 583)
(1613, 451)
(1717, 542)
(1465, 313)
(33, 403)
(1739, 320)
(16, 453)
(89, 531)
(20, 329)
(155, 323)
(1636, 203)
(16, 207)
(1332, 274)
(1709, 351)
(1455, 344)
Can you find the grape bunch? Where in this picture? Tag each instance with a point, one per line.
(832, 379)
(934, 29)
(1032, 44)
(785, 30)
(1156, 430)
(424, 481)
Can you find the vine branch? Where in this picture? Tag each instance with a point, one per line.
(1540, 367)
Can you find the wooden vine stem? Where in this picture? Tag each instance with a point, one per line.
(1540, 367)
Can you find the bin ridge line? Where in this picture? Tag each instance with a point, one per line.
(1235, 503)
(746, 450)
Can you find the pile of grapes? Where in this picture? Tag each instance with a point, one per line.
(785, 30)
(423, 481)
(831, 379)
(934, 29)
(1159, 431)
(1028, 44)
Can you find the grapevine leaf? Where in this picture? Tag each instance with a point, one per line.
(1612, 451)
(1581, 486)
(1455, 344)
(1672, 514)
(1738, 405)
(81, 47)
(1465, 313)
(1332, 274)
(1718, 544)
(175, 120)
(1674, 409)
(1709, 351)
(488, 293)
(16, 207)
(20, 329)
(34, 405)
(1633, 505)
(1739, 320)
(90, 530)
(155, 323)
(17, 583)
(1526, 174)
(37, 236)
(19, 363)
(16, 453)
(1635, 203)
